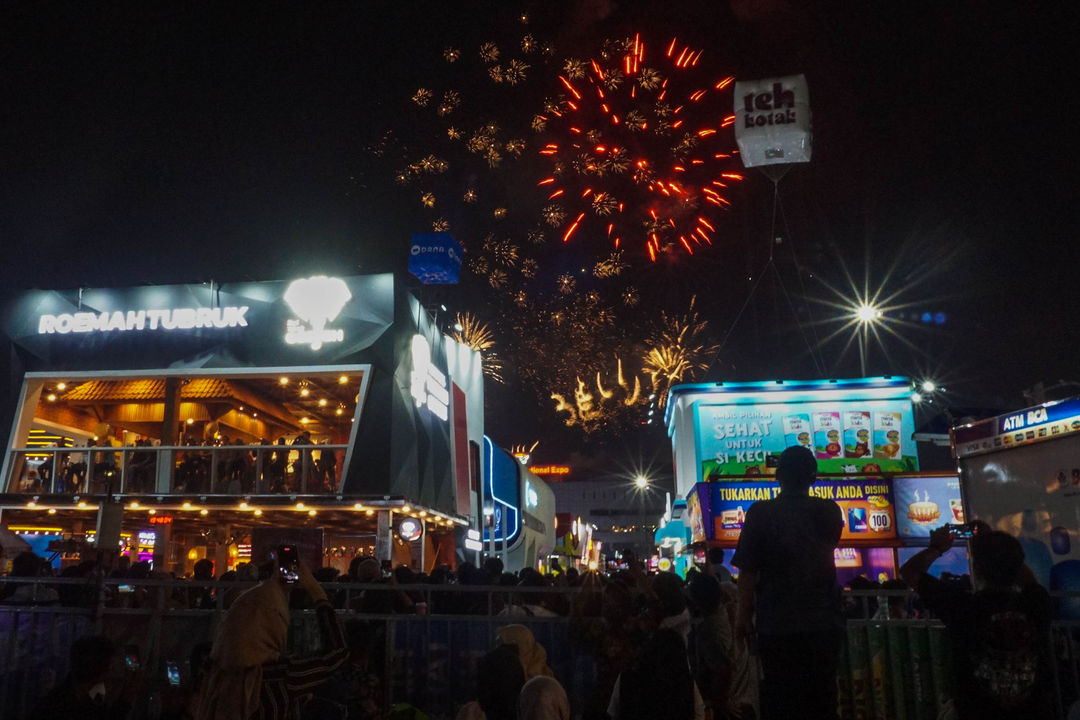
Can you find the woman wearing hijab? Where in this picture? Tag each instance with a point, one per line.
(532, 655)
(543, 698)
(250, 677)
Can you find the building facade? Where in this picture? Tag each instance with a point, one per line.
(220, 420)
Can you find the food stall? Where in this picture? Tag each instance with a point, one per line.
(727, 439)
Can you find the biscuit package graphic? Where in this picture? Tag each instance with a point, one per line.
(887, 438)
(856, 433)
(827, 435)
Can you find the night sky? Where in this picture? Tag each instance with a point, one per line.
(169, 143)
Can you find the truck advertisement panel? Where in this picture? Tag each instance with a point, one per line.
(867, 507)
(846, 434)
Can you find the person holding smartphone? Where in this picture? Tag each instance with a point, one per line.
(250, 675)
(999, 632)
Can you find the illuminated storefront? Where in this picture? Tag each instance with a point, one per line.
(727, 438)
(211, 411)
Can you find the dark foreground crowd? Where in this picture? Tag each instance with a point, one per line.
(768, 646)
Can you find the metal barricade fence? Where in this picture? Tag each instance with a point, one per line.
(890, 669)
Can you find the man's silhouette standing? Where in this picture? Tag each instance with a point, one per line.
(787, 586)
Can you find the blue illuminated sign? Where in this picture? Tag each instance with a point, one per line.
(502, 491)
(435, 258)
(1022, 427)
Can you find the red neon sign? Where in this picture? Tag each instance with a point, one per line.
(550, 469)
(160, 519)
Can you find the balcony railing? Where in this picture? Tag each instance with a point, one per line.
(176, 469)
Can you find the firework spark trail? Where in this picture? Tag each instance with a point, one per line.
(477, 335)
(677, 350)
(627, 139)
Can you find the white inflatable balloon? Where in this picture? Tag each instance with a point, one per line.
(772, 121)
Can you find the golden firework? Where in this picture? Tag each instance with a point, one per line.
(554, 215)
(427, 200)
(611, 266)
(422, 97)
(515, 72)
(677, 350)
(451, 54)
(489, 52)
(606, 407)
(497, 279)
(575, 69)
(471, 332)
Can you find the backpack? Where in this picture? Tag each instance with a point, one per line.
(1005, 659)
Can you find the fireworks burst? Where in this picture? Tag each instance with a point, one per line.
(677, 350)
(593, 408)
(639, 148)
(478, 336)
(611, 266)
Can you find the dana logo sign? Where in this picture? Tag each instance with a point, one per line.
(435, 258)
(316, 301)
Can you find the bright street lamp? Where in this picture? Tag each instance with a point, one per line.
(867, 313)
(641, 482)
(928, 386)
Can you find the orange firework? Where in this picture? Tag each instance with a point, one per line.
(640, 147)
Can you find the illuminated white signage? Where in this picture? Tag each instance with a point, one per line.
(531, 498)
(316, 301)
(428, 384)
(471, 544)
(410, 529)
(134, 320)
